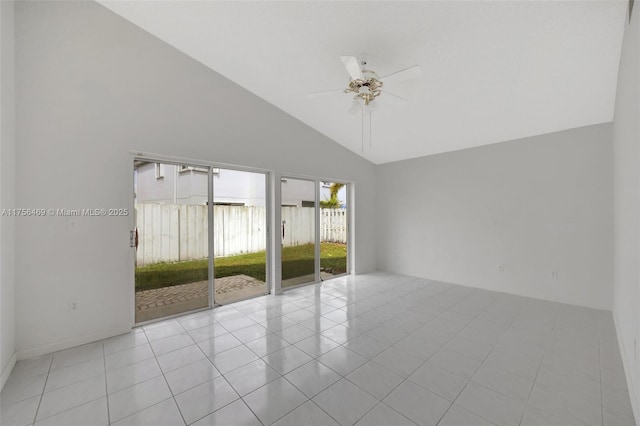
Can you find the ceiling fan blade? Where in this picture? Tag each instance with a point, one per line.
(324, 93)
(402, 75)
(393, 100)
(353, 67)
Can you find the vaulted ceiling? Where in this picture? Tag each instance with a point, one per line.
(492, 71)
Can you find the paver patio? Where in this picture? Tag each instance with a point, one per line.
(160, 302)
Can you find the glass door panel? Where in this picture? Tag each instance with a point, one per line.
(333, 229)
(298, 231)
(172, 255)
(239, 235)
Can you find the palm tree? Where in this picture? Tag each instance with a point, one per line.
(333, 202)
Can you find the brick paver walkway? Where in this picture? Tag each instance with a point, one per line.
(149, 299)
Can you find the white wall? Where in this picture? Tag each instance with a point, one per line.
(91, 87)
(7, 190)
(533, 205)
(626, 137)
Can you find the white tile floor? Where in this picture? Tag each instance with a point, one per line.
(376, 349)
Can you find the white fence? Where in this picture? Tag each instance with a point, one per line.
(170, 233)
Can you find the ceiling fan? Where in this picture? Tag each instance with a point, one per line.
(367, 87)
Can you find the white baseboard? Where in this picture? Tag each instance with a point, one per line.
(7, 370)
(630, 384)
(70, 343)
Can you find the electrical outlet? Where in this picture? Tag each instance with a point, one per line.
(554, 274)
(73, 305)
(501, 267)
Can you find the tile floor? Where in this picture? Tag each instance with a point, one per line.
(376, 349)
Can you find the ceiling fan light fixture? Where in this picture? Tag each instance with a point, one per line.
(368, 88)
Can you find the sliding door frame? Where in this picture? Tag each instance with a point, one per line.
(349, 188)
(278, 289)
(209, 165)
(316, 233)
(316, 205)
(175, 162)
(273, 218)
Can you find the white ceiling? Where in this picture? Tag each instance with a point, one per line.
(493, 71)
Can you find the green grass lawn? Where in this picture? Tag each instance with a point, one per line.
(296, 261)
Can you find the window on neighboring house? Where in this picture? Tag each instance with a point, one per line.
(159, 170)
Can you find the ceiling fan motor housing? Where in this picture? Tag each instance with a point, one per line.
(367, 88)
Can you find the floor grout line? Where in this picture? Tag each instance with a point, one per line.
(600, 371)
(35, 416)
(164, 373)
(535, 380)
(106, 387)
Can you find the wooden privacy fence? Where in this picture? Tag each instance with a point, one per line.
(171, 233)
(333, 225)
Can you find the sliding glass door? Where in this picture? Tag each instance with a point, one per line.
(314, 230)
(201, 235)
(298, 231)
(333, 229)
(172, 239)
(239, 234)
(192, 223)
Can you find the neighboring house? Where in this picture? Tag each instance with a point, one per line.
(301, 193)
(171, 184)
